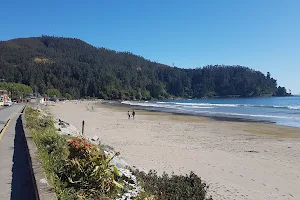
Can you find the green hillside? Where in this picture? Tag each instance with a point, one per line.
(82, 70)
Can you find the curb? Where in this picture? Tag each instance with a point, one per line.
(6, 124)
(43, 190)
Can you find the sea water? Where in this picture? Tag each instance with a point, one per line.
(280, 110)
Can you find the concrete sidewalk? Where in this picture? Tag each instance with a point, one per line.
(15, 175)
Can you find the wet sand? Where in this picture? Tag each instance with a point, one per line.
(239, 160)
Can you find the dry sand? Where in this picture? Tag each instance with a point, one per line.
(238, 160)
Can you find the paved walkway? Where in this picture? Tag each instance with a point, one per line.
(15, 179)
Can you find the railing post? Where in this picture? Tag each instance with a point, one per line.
(82, 127)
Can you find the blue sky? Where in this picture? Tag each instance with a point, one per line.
(261, 34)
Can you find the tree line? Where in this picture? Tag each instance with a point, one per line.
(15, 90)
(79, 70)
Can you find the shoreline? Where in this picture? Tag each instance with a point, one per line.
(214, 97)
(238, 160)
(280, 129)
(216, 118)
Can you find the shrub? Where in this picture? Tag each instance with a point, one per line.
(88, 171)
(173, 187)
(68, 96)
(34, 120)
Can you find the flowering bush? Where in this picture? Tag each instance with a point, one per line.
(88, 171)
(79, 148)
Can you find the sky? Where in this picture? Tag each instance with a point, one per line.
(261, 34)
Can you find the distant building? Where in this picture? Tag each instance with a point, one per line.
(62, 99)
(30, 99)
(42, 100)
(3, 97)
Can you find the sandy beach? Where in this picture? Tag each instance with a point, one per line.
(239, 160)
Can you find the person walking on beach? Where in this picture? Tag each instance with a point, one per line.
(133, 113)
(128, 115)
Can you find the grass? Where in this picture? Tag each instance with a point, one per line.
(51, 146)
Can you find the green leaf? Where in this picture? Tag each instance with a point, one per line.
(71, 181)
(118, 184)
(96, 169)
(116, 171)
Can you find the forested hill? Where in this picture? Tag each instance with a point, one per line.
(82, 70)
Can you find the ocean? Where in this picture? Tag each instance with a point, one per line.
(280, 110)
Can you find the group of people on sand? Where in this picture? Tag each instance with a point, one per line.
(132, 114)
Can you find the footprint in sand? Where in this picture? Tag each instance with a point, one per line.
(252, 179)
(264, 184)
(277, 189)
(241, 176)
